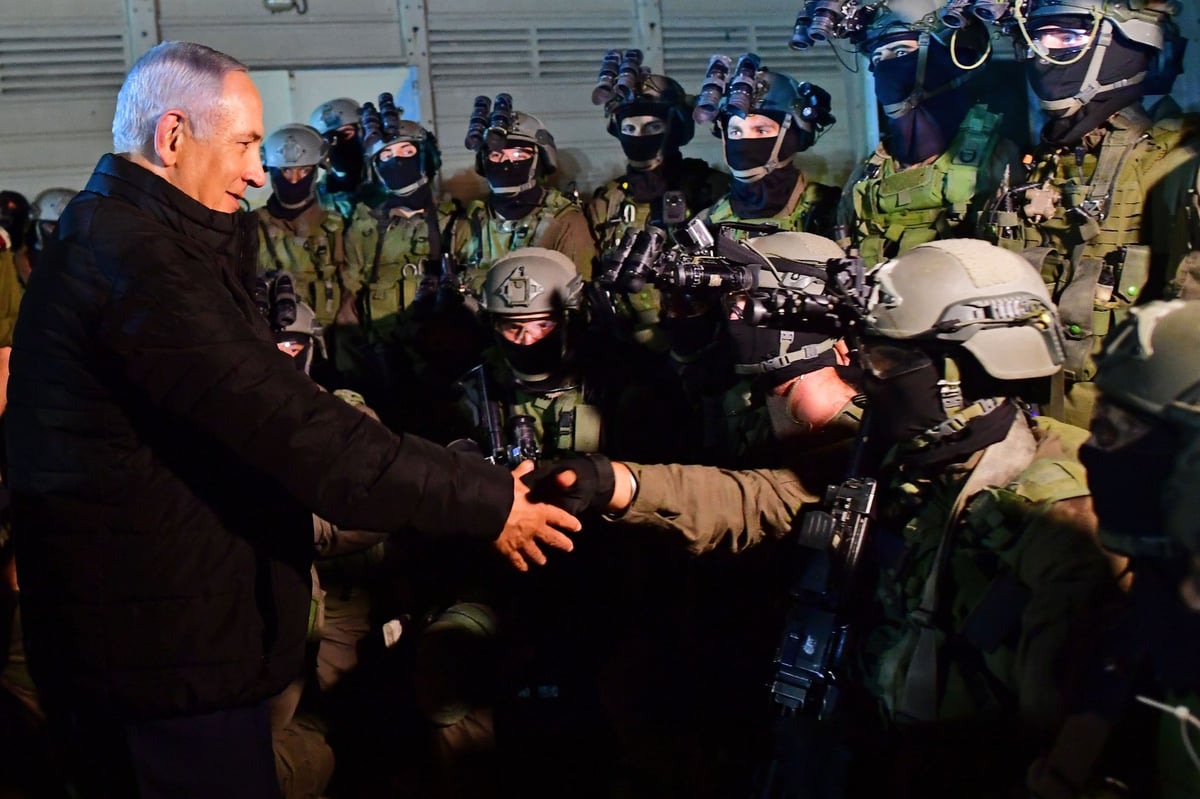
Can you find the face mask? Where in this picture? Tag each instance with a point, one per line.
(641, 149)
(905, 405)
(401, 175)
(690, 334)
(1127, 483)
(509, 174)
(346, 163)
(750, 153)
(538, 360)
(927, 129)
(291, 195)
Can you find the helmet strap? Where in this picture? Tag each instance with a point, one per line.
(529, 184)
(1090, 86)
(757, 173)
(919, 95)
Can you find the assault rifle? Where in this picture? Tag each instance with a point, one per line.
(501, 441)
(808, 668)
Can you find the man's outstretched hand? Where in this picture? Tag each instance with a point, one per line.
(583, 484)
(531, 521)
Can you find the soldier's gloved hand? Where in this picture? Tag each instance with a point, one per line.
(578, 484)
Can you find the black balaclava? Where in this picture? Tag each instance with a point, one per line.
(345, 165)
(289, 200)
(14, 216)
(505, 177)
(770, 194)
(538, 361)
(753, 344)
(642, 149)
(405, 181)
(1127, 483)
(928, 128)
(1122, 59)
(910, 403)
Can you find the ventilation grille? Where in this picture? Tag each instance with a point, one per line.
(689, 43)
(61, 63)
(464, 54)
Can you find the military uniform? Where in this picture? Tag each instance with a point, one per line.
(888, 208)
(811, 208)
(310, 247)
(558, 223)
(1026, 530)
(387, 254)
(1079, 217)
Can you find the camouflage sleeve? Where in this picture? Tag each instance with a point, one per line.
(359, 243)
(10, 297)
(708, 508)
(570, 234)
(1071, 590)
(846, 215)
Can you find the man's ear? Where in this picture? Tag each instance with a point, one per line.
(168, 136)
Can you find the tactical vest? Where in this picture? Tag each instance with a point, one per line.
(564, 422)
(386, 260)
(490, 238)
(897, 209)
(311, 249)
(1078, 217)
(977, 625)
(813, 212)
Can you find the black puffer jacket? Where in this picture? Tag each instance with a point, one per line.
(165, 459)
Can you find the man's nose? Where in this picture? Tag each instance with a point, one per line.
(254, 174)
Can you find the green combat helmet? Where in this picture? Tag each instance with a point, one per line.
(753, 89)
(337, 113)
(532, 280)
(1149, 368)
(973, 294)
(797, 261)
(496, 126)
(294, 145)
(383, 127)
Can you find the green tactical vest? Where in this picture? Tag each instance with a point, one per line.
(563, 421)
(897, 209)
(385, 262)
(491, 238)
(1081, 224)
(612, 213)
(816, 202)
(980, 634)
(311, 251)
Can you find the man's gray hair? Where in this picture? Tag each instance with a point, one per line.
(170, 75)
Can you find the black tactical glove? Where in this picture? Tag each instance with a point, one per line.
(592, 490)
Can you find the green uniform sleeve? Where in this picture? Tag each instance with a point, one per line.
(708, 508)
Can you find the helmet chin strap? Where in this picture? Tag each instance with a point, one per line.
(755, 174)
(529, 184)
(1090, 86)
(404, 191)
(919, 95)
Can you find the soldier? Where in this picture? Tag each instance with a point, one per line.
(764, 120)
(975, 495)
(395, 250)
(1090, 211)
(296, 234)
(14, 217)
(347, 182)
(43, 215)
(942, 157)
(651, 116)
(515, 153)
(1141, 461)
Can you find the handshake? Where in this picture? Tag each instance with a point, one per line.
(582, 484)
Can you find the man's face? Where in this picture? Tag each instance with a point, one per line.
(752, 126)
(217, 171)
(513, 154)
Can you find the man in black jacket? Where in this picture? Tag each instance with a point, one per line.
(166, 458)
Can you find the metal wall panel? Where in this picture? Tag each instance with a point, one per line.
(342, 33)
